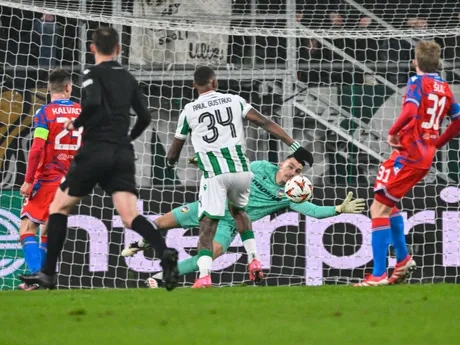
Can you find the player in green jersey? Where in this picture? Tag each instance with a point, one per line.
(266, 197)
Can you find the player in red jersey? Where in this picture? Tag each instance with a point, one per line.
(414, 138)
(52, 151)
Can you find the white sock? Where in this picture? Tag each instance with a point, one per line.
(204, 264)
(158, 276)
(251, 249)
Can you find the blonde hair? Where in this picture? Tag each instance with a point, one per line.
(428, 56)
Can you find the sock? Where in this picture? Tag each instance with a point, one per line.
(31, 252)
(381, 236)
(150, 234)
(398, 239)
(249, 244)
(204, 262)
(57, 231)
(185, 266)
(43, 247)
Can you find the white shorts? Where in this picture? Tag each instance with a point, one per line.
(215, 191)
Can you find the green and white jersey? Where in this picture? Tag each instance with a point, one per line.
(215, 121)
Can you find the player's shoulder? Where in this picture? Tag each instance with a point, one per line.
(262, 165)
(415, 80)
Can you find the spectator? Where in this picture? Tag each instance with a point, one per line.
(47, 29)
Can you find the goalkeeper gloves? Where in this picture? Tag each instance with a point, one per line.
(301, 154)
(349, 206)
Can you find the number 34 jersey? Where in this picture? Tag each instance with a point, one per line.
(434, 100)
(61, 145)
(215, 121)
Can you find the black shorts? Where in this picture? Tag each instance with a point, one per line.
(110, 166)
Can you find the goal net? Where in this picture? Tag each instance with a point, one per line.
(332, 74)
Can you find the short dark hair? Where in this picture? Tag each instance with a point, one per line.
(203, 74)
(292, 156)
(106, 39)
(58, 79)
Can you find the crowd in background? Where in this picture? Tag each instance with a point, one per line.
(36, 39)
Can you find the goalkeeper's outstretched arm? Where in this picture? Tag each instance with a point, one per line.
(319, 212)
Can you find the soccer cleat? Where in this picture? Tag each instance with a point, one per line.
(39, 278)
(371, 280)
(402, 270)
(255, 271)
(26, 287)
(170, 270)
(153, 283)
(204, 282)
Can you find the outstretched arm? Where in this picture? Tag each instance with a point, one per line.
(319, 212)
(274, 129)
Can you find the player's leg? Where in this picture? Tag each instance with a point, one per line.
(126, 205)
(43, 243)
(27, 235)
(212, 203)
(238, 197)
(185, 217)
(35, 212)
(404, 262)
(225, 235)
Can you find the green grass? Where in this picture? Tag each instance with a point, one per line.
(417, 314)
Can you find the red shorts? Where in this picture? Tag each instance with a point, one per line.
(37, 207)
(394, 180)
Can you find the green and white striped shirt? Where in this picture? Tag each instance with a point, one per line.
(215, 121)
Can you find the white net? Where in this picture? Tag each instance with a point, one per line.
(331, 73)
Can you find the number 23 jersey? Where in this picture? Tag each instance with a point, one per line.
(61, 145)
(215, 121)
(434, 100)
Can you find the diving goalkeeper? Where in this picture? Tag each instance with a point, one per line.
(266, 197)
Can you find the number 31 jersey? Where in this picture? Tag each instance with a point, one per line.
(434, 99)
(61, 145)
(215, 121)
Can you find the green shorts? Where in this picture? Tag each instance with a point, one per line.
(187, 217)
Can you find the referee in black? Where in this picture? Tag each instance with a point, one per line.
(105, 158)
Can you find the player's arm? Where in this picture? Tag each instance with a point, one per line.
(91, 99)
(454, 127)
(315, 211)
(182, 131)
(274, 129)
(409, 110)
(143, 115)
(36, 151)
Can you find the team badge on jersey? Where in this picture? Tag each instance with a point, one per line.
(185, 209)
(281, 192)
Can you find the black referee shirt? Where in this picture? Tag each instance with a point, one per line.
(108, 93)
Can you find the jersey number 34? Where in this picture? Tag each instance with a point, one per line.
(212, 124)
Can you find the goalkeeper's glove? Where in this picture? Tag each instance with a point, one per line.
(301, 154)
(193, 160)
(349, 206)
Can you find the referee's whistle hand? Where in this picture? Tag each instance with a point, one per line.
(25, 188)
(69, 125)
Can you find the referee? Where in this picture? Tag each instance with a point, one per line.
(105, 158)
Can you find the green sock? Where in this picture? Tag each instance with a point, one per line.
(188, 265)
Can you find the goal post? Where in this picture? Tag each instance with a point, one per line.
(332, 75)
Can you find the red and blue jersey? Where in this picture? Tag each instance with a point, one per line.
(61, 145)
(434, 100)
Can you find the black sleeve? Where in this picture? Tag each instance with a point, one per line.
(142, 112)
(91, 98)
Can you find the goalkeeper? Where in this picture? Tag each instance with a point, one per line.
(266, 197)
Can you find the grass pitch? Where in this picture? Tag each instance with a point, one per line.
(413, 314)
